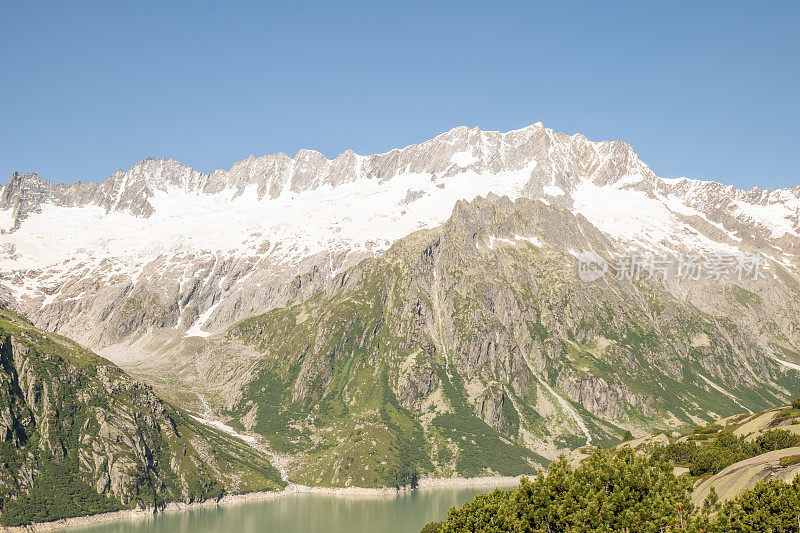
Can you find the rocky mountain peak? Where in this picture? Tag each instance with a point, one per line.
(272, 218)
(560, 159)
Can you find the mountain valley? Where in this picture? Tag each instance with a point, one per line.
(382, 319)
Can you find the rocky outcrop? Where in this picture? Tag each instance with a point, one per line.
(489, 407)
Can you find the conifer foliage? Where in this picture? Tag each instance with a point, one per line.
(622, 491)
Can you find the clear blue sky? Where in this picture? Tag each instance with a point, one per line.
(701, 89)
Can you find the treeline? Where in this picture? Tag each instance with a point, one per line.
(56, 494)
(622, 491)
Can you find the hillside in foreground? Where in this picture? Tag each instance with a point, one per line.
(739, 474)
(79, 437)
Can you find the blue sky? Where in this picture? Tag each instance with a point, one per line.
(700, 89)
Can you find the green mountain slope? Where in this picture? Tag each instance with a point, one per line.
(474, 349)
(78, 436)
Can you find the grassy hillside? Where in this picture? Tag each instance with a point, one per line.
(466, 350)
(474, 349)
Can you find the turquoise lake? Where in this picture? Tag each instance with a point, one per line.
(304, 513)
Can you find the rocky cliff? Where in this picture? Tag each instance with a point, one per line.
(78, 436)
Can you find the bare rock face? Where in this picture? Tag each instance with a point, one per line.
(490, 407)
(597, 396)
(416, 381)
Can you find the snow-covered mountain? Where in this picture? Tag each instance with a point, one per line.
(164, 245)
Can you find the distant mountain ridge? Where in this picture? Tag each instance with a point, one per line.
(189, 240)
(449, 153)
(565, 158)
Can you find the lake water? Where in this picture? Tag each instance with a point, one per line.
(304, 513)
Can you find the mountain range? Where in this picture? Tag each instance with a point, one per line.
(419, 312)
